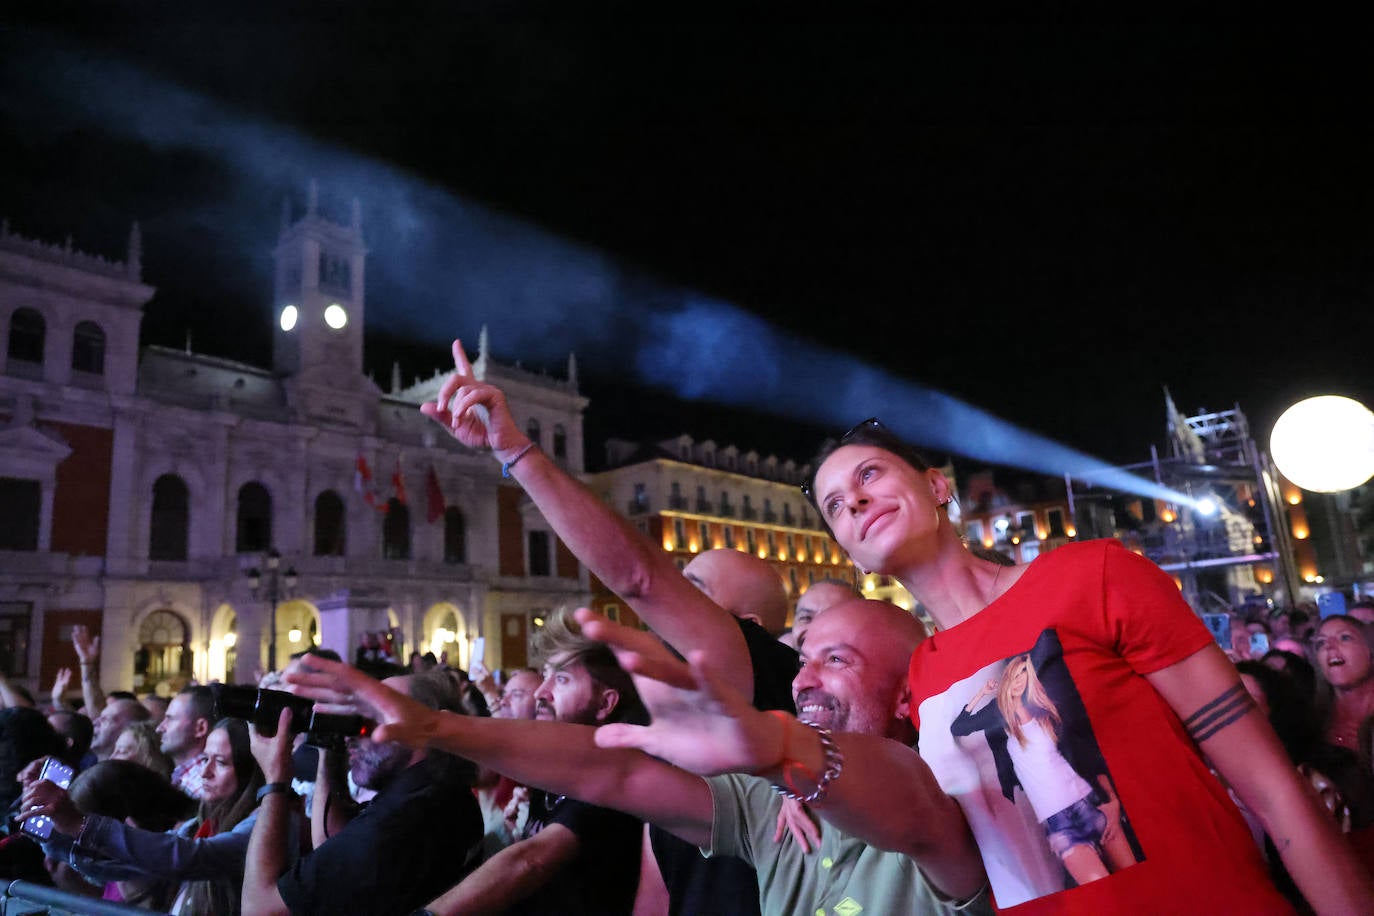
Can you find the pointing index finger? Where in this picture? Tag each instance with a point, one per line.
(460, 359)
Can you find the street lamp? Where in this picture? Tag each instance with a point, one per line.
(274, 586)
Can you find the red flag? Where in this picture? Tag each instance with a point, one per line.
(435, 496)
(398, 484)
(363, 483)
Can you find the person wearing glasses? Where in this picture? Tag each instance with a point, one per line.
(1144, 700)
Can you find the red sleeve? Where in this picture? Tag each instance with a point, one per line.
(1152, 625)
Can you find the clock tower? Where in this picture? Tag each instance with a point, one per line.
(318, 314)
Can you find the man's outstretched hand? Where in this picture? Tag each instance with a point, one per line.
(337, 687)
(699, 722)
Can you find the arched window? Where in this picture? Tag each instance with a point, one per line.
(28, 331)
(254, 519)
(560, 442)
(329, 525)
(396, 531)
(88, 348)
(532, 430)
(455, 537)
(171, 519)
(164, 652)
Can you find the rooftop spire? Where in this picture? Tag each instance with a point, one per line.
(134, 260)
(479, 368)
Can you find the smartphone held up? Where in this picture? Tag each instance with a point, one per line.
(60, 775)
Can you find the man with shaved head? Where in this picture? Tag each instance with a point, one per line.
(817, 597)
(852, 688)
(118, 712)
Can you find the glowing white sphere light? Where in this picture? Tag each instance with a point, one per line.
(1324, 444)
(335, 316)
(288, 317)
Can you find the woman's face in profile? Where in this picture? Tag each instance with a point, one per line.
(220, 782)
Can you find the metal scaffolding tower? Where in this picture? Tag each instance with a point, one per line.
(1239, 554)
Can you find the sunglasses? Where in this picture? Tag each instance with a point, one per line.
(871, 425)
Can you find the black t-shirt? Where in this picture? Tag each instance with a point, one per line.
(603, 878)
(725, 885)
(406, 847)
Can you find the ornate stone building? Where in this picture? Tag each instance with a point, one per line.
(138, 487)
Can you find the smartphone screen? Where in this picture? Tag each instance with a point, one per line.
(1219, 625)
(60, 775)
(1259, 644)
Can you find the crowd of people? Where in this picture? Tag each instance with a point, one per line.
(1068, 736)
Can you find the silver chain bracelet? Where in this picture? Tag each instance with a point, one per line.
(834, 765)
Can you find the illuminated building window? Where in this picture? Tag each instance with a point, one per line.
(730, 536)
(751, 540)
(973, 531)
(704, 531)
(680, 533)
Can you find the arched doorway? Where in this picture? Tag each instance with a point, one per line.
(163, 660)
(298, 628)
(224, 639)
(445, 631)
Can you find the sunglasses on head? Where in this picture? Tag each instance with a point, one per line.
(871, 425)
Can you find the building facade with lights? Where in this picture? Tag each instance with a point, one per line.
(690, 496)
(139, 486)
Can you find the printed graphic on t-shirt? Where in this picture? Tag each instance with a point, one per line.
(1013, 745)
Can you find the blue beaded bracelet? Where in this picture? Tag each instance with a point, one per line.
(505, 468)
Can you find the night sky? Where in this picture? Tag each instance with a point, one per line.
(1049, 223)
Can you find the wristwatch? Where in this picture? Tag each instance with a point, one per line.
(283, 787)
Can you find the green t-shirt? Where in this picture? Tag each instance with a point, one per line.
(844, 877)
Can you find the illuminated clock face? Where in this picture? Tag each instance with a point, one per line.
(335, 316)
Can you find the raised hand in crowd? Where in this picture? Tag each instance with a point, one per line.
(61, 681)
(88, 659)
(87, 646)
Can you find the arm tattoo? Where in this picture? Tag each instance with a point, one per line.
(1219, 713)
